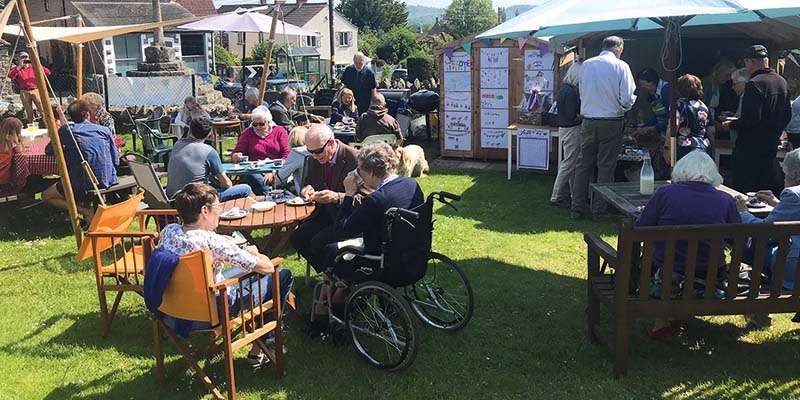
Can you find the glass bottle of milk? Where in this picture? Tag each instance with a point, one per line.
(646, 176)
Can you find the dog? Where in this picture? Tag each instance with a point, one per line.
(412, 161)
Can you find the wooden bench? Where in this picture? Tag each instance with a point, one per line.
(624, 287)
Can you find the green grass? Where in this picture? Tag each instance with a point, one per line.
(525, 260)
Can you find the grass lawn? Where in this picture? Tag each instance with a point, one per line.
(525, 260)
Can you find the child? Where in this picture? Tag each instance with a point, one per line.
(10, 131)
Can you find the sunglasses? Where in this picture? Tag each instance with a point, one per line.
(258, 123)
(319, 150)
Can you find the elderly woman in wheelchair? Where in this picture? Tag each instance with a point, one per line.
(392, 229)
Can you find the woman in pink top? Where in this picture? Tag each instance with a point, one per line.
(262, 140)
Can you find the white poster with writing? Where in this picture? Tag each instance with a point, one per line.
(494, 58)
(536, 61)
(457, 121)
(533, 149)
(459, 62)
(494, 138)
(491, 118)
(494, 98)
(457, 140)
(458, 101)
(494, 78)
(457, 81)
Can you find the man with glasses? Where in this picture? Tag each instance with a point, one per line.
(25, 78)
(324, 184)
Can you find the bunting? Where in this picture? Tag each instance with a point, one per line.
(521, 42)
(448, 52)
(467, 45)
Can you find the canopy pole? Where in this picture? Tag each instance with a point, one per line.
(50, 120)
(332, 44)
(268, 56)
(672, 124)
(79, 61)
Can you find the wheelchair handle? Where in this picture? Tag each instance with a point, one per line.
(450, 196)
(403, 213)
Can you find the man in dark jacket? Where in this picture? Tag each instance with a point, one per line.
(378, 121)
(766, 109)
(284, 114)
(360, 79)
(324, 184)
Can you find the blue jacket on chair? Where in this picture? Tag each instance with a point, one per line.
(158, 272)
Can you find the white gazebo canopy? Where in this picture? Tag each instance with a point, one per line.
(244, 20)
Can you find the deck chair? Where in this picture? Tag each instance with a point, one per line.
(191, 294)
(147, 179)
(388, 138)
(154, 143)
(109, 240)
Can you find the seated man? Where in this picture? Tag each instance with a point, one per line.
(192, 160)
(333, 160)
(190, 111)
(247, 104)
(377, 121)
(96, 145)
(285, 115)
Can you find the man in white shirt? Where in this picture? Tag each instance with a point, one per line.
(607, 92)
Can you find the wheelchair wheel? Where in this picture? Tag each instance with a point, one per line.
(443, 297)
(381, 326)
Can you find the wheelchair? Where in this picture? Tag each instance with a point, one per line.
(388, 289)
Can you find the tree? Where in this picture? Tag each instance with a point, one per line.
(397, 44)
(368, 42)
(465, 17)
(378, 15)
(224, 56)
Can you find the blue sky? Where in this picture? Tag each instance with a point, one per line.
(429, 3)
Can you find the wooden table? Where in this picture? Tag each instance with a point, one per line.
(219, 126)
(625, 196)
(323, 111)
(281, 221)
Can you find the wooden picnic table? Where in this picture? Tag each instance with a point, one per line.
(281, 221)
(625, 196)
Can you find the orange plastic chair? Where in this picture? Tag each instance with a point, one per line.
(191, 294)
(119, 255)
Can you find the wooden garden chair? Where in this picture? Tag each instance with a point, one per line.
(191, 294)
(119, 254)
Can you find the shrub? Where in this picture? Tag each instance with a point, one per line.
(225, 56)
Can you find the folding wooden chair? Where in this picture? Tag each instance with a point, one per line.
(191, 294)
(109, 240)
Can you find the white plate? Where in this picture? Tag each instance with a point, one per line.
(263, 206)
(233, 213)
(297, 201)
(235, 167)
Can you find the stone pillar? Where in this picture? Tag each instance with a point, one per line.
(158, 33)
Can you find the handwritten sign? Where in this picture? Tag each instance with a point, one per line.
(494, 98)
(494, 138)
(459, 62)
(494, 58)
(458, 101)
(536, 61)
(457, 121)
(491, 118)
(457, 140)
(457, 81)
(494, 78)
(533, 148)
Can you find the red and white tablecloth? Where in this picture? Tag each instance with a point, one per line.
(32, 161)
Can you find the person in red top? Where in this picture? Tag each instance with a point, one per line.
(22, 73)
(10, 131)
(262, 140)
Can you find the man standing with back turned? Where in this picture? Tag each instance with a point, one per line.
(607, 92)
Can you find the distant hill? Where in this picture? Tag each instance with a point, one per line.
(422, 16)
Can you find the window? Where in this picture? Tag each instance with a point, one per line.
(240, 38)
(127, 52)
(311, 41)
(344, 38)
(193, 51)
(46, 5)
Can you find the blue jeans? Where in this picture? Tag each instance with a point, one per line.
(256, 182)
(237, 292)
(234, 192)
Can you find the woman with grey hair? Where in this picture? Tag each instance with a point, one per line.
(377, 169)
(691, 199)
(568, 102)
(787, 208)
(248, 103)
(262, 140)
(190, 111)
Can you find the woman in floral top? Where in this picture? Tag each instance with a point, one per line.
(693, 116)
(199, 208)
